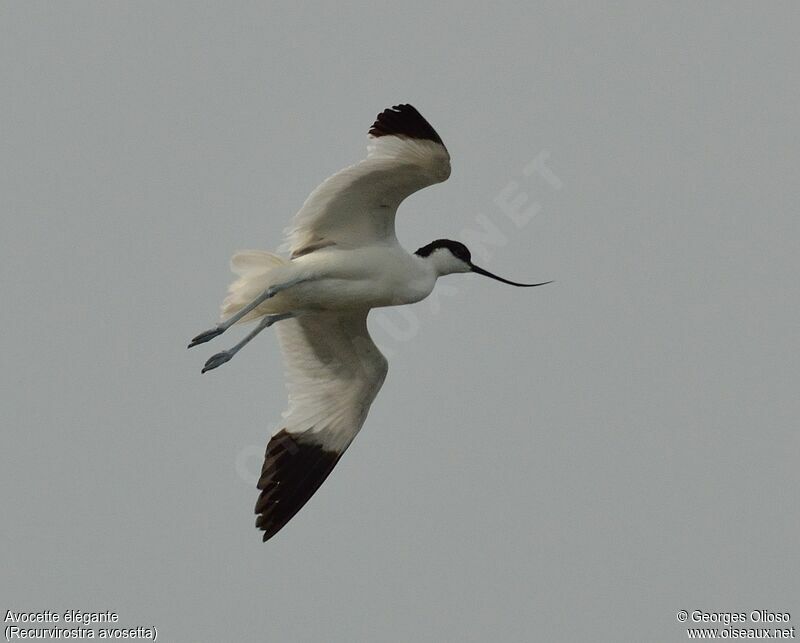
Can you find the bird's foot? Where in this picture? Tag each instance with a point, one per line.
(206, 336)
(217, 360)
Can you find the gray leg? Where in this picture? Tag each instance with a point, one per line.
(220, 328)
(220, 358)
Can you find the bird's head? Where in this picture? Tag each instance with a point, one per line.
(448, 257)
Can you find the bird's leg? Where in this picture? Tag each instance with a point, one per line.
(220, 328)
(220, 358)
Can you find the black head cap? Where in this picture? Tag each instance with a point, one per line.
(457, 249)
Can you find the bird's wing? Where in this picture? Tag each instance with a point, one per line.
(333, 371)
(357, 205)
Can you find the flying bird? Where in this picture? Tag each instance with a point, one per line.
(344, 260)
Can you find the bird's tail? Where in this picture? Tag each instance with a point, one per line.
(254, 269)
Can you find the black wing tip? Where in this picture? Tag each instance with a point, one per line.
(293, 471)
(404, 120)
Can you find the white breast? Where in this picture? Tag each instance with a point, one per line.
(362, 278)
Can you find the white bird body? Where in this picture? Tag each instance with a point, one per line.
(368, 277)
(345, 260)
(334, 279)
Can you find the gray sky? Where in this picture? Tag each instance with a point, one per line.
(571, 463)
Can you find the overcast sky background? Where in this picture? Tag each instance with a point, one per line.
(569, 463)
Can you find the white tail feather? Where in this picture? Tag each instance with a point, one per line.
(254, 268)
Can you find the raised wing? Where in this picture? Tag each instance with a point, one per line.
(334, 371)
(357, 205)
